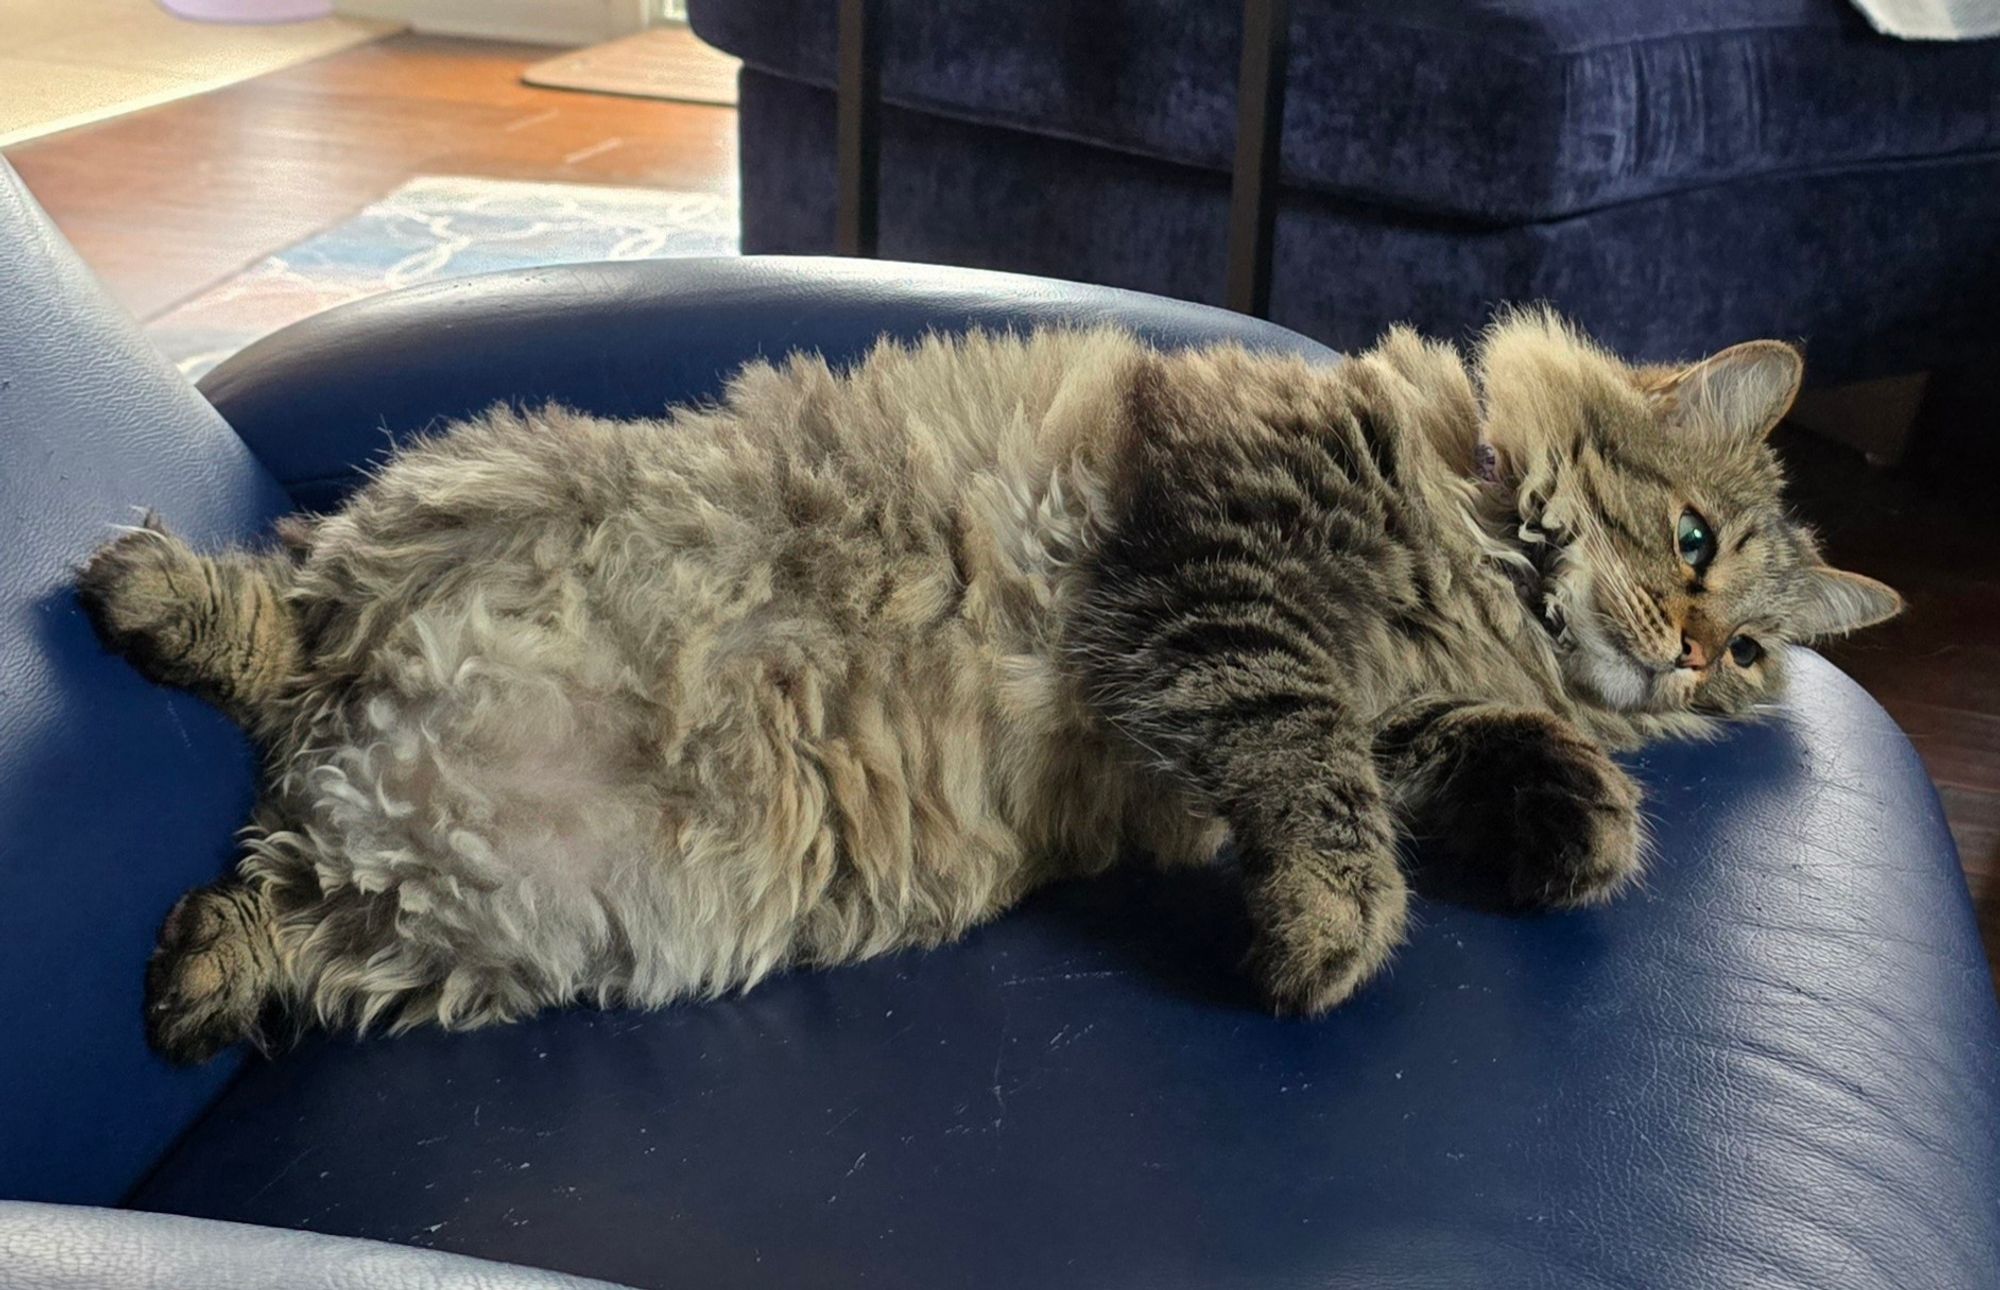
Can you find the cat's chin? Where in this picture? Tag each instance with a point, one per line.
(1615, 679)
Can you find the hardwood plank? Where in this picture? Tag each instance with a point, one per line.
(1958, 745)
(1975, 826)
(167, 202)
(1937, 669)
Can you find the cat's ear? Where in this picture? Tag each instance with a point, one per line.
(1739, 394)
(1834, 602)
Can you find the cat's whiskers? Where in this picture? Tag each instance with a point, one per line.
(1626, 603)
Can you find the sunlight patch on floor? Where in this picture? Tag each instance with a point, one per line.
(66, 63)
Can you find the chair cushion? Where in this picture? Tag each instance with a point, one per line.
(1778, 1063)
(115, 795)
(1503, 110)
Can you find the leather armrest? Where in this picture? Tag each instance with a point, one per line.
(115, 795)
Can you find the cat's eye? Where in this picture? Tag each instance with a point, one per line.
(1743, 651)
(1695, 540)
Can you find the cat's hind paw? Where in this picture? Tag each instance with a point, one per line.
(211, 975)
(142, 592)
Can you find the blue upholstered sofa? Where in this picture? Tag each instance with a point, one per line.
(1777, 1064)
(1678, 175)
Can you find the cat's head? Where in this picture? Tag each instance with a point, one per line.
(1651, 502)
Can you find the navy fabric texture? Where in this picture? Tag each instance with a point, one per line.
(1778, 1063)
(1876, 269)
(319, 400)
(1497, 110)
(115, 796)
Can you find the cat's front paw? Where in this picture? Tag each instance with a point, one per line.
(1562, 816)
(1321, 931)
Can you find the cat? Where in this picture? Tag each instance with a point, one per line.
(559, 709)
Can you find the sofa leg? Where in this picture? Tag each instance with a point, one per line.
(1260, 124)
(858, 126)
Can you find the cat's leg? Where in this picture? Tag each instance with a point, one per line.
(216, 968)
(219, 626)
(1326, 897)
(1278, 757)
(1210, 651)
(1517, 787)
(238, 955)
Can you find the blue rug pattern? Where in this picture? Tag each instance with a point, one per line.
(435, 227)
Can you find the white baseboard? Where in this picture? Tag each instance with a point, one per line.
(537, 22)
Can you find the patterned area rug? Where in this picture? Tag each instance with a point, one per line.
(440, 227)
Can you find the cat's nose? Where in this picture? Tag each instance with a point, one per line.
(1693, 653)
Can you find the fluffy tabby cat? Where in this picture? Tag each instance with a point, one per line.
(561, 709)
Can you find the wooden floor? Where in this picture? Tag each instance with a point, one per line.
(165, 203)
(1934, 536)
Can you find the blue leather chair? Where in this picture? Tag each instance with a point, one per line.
(1778, 1063)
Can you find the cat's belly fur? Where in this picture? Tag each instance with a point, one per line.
(631, 717)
